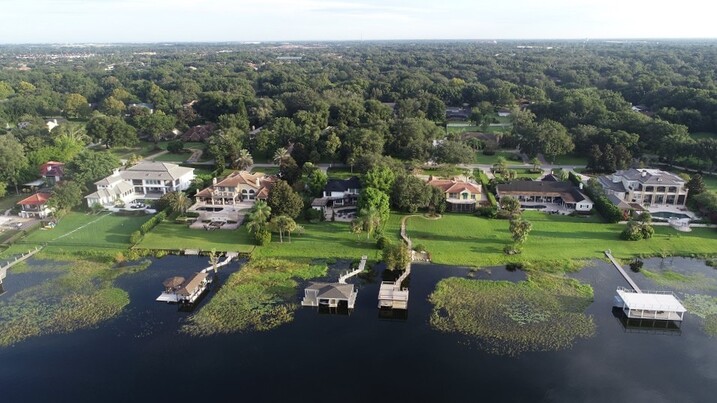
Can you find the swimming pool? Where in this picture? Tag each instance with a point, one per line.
(669, 214)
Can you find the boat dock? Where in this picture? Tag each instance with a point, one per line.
(654, 305)
(334, 295)
(622, 271)
(180, 290)
(18, 259)
(391, 294)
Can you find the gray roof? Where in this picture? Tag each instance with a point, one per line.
(109, 180)
(607, 183)
(566, 190)
(332, 290)
(113, 192)
(621, 204)
(155, 170)
(651, 177)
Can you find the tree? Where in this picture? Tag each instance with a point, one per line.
(180, 203)
(519, 229)
(379, 177)
(12, 160)
(280, 155)
(283, 200)
(437, 201)
(374, 199)
(111, 131)
(453, 152)
(368, 220)
(695, 186)
(90, 166)
(155, 125)
(536, 164)
(554, 139)
(5, 90)
(3, 189)
(257, 220)
(638, 229)
(410, 193)
(510, 204)
(112, 106)
(245, 160)
(260, 211)
(76, 106)
(289, 170)
(65, 196)
(316, 181)
(396, 257)
(283, 224)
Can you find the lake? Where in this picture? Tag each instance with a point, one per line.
(141, 356)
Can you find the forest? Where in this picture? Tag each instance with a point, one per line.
(365, 103)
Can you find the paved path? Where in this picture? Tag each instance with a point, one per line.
(196, 154)
(153, 156)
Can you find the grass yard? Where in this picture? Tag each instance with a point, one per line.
(703, 135)
(328, 240)
(571, 159)
(340, 173)
(493, 159)
(471, 241)
(81, 232)
(709, 180)
(171, 236)
(462, 128)
(525, 173)
(176, 158)
(446, 171)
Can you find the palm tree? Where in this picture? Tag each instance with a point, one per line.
(500, 165)
(280, 155)
(260, 212)
(214, 259)
(283, 224)
(368, 220)
(245, 160)
(180, 203)
(536, 164)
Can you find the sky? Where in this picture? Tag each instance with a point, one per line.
(100, 21)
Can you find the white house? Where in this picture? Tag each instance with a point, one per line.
(144, 181)
(646, 187)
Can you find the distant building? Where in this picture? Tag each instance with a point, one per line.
(646, 187)
(503, 112)
(239, 186)
(461, 195)
(144, 181)
(52, 172)
(458, 112)
(198, 133)
(143, 105)
(546, 193)
(35, 206)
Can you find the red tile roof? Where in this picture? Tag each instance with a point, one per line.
(37, 199)
(52, 168)
(454, 186)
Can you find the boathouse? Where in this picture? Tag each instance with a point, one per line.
(657, 305)
(330, 294)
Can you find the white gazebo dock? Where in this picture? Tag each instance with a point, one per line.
(657, 305)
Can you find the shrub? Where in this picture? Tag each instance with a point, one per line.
(488, 152)
(175, 147)
(135, 237)
(191, 214)
(262, 237)
(382, 242)
(636, 265)
(420, 248)
(487, 211)
(313, 215)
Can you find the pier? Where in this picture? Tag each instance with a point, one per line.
(654, 305)
(391, 294)
(21, 258)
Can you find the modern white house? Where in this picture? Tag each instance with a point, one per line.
(646, 187)
(144, 181)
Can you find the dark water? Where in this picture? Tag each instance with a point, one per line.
(140, 356)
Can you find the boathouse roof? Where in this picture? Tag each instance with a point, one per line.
(651, 301)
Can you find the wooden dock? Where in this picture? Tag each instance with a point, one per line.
(391, 294)
(347, 275)
(623, 272)
(18, 259)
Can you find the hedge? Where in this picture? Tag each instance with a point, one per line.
(153, 222)
(485, 181)
(603, 205)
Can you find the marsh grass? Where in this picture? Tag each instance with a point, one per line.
(704, 307)
(83, 296)
(259, 297)
(543, 313)
(680, 281)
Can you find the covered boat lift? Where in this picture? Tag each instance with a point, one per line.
(656, 305)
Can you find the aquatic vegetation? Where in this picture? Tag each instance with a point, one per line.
(705, 307)
(543, 313)
(680, 281)
(81, 297)
(261, 296)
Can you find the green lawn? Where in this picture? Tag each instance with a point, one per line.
(710, 180)
(80, 231)
(169, 157)
(328, 240)
(462, 129)
(446, 171)
(703, 135)
(472, 241)
(171, 236)
(340, 173)
(525, 173)
(571, 159)
(493, 159)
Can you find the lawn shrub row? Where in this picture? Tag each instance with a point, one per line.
(609, 212)
(153, 222)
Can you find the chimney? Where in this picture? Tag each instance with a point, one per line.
(644, 174)
(214, 181)
(580, 185)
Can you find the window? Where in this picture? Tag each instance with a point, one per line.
(672, 189)
(649, 188)
(453, 195)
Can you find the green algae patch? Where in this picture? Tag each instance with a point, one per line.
(259, 297)
(544, 313)
(680, 281)
(82, 296)
(704, 307)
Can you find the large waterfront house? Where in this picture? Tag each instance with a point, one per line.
(144, 181)
(461, 195)
(35, 206)
(546, 194)
(645, 187)
(239, 186)
(338, 193)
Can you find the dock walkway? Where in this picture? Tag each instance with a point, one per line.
(391, 294)
(347, 275)
(622, 271)
(21, 258)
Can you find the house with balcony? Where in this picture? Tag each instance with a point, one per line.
(646, 187)
(239, 186)
(35, 206)
(144, 181)
(462, 195)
